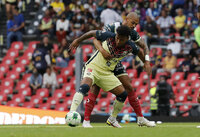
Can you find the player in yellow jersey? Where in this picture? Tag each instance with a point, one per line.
(98, 70)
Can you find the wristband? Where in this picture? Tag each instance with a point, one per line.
(147, 58)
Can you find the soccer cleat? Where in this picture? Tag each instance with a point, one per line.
(144, 122)
(113, 122)
(86, 124)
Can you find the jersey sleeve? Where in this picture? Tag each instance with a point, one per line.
(134, 47)
(104, 35)
(135, 36)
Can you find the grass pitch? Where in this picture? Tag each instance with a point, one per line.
(101, 130)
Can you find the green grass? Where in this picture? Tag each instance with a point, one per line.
(101, 130)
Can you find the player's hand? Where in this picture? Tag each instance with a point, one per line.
(147, 67)
(106, 54)
(74, 44)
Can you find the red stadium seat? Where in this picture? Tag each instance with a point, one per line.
(18, 68)
(13, 75)
(55, 48)
(43, 92)
(161, 74)
(195, 95)
(142, 90)
(61, 79)
(174, 88)
(1, 75)
(137, 83)
(87, 49)
(177, 76)
(12, 103)
(126, 64)
(28, 104)
(145, 109)
(19, 98)
(195, 84)
(192, 77)
(28, 53)
(61, 107)
(27, 77)
(32, 45)
(73, 81)
(111, 96)
(59, 93)
(72, 64)
(159, 52)
(180, 97)
(45, 106)
(53, 100)
(4, 68)
(127, 110)
(25, 91)
(170, 81)
(8, 60)
(24, 60)
(66, 72)
(18, 45)
(36, 99)
(12, 53)
(7, 82)
(21, 85)
(68, 87)
(184, 108)
(179, 62)
(143, 76)
(182, 84)
(6, 90)
(153, 83)
(3, 97)
(185, 90)
(132, 73)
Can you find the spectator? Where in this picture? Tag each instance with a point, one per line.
(177, 4)
(165, 23)
(47, 46)
(185, 66)
(194, 50)
(109, 16)
(195, 64)
(10, 5)
(174, 45)
(151, 29)
(197, 35)
(152, 12)
(137, 64)
(49, 80)
(62, 27)
(155, 62)
(76, 6)
(77, 25)
(63, 56)
(192, 22)
(164, 92)
(41, 60)
(169, 63)
(180, 22)
(10, 32)
(18, 27)
(35, 81)
(68, 13)
(46, 24)
(58, 7)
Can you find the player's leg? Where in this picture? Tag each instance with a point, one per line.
(86, 83)
(134, 102)
(90, 103)
(121, 96)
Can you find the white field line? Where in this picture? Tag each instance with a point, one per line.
(127, 126)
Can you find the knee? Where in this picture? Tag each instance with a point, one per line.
(84, 89)
(122, 97)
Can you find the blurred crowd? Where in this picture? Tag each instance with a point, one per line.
(170, 23)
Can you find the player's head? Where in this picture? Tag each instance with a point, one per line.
(16, 10)
(122, 35)
(131, 20)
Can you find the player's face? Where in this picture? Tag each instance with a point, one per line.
(132, 22)
(120, 40)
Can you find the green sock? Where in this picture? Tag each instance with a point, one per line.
(78, 97)
(117, 108)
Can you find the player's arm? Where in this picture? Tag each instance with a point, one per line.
(100, 35)
(98, 46)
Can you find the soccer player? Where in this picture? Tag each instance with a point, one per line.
(131, 21)
(98, 70)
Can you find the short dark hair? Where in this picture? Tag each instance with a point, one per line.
(16, 8)
(123, 31)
